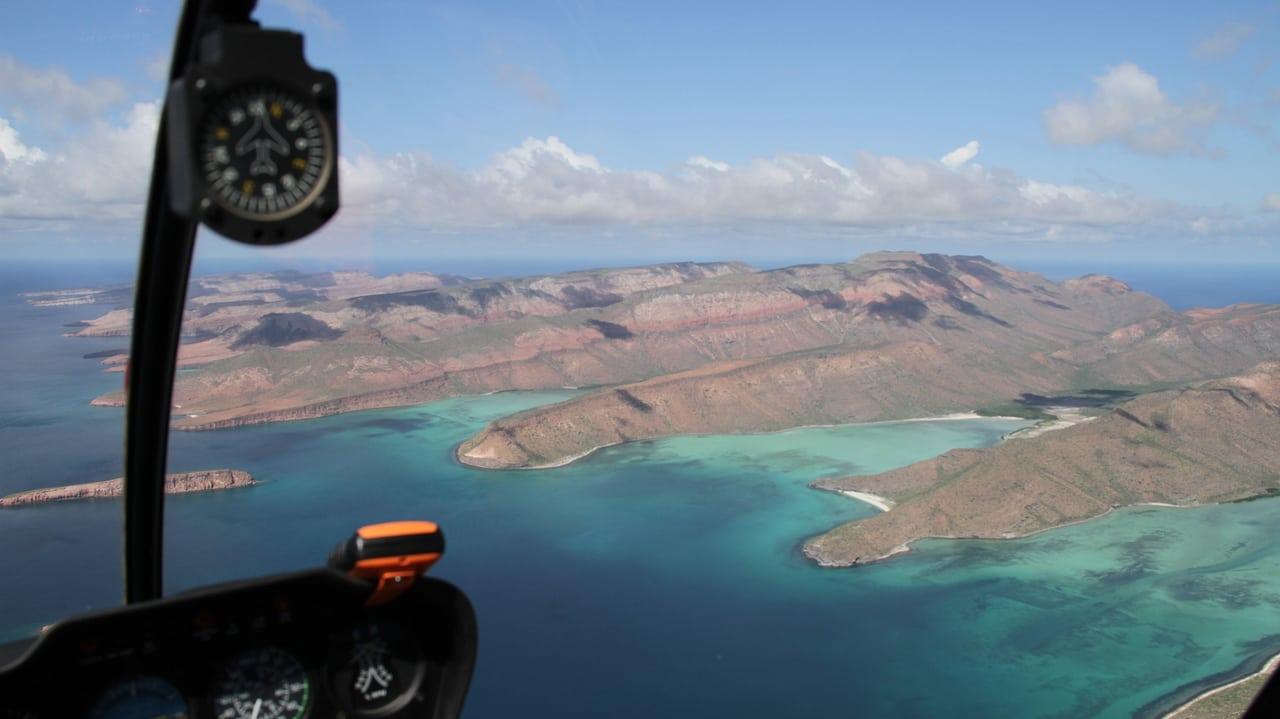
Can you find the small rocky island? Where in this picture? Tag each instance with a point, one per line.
(207, 481)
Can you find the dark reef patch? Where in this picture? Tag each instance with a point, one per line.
(1230, 593)
(397, 425)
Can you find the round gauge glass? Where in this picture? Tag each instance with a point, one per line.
(266, 683)
(378, 670)
(140, 698)
(264, 152)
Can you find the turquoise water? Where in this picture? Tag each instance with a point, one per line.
(665, 578)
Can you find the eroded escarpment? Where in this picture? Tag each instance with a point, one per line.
(932, 348)
(1214, 442)
(179, 483)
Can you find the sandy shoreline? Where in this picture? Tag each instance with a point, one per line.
(955, 416)
(1267, 668)
(1063, 417)
(904, 548)
(875, 500)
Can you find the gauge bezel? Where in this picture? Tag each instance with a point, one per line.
(135, 673)
(342, 694)
(328, 161)
(232, 59)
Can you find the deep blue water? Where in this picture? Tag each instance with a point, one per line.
(661, 578)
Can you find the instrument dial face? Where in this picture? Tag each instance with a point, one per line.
(379, 671)
(265, 153)
(141, 698)
(265, 683)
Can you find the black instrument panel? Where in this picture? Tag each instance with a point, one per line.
(294, 647)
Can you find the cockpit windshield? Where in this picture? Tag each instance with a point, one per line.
(757, 359)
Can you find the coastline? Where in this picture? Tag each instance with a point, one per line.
(1268, 667)
(210, 480)
(461, 459)
(906, 547)
(875, 500)
(952, 417)
(1063, 418)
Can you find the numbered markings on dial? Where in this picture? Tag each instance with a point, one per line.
(266, 683)
(264, 153)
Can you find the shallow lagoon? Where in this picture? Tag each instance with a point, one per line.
(665, 577)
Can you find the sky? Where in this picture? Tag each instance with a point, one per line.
(673, 130)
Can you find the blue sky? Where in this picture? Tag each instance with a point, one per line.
(668, 130)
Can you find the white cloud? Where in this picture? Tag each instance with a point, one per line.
(705, 163)
(100, 175)
(1128, 106)
(12, 149)
(544, 181)
(962, 154)
(1224, 41)
(309, 12)
(52, 94)
(1271, 202)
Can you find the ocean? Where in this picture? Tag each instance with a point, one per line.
(664, 577)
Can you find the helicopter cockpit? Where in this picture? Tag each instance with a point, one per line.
(248, 147)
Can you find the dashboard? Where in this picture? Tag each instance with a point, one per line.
(298, 646)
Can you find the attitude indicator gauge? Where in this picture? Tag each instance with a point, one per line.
(266, 153)
(252, 136)
(377, 671)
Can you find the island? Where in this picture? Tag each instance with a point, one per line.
(180, 483)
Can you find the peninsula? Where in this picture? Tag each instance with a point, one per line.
(1212, 442)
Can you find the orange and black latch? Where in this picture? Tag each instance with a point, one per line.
(390, 556)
